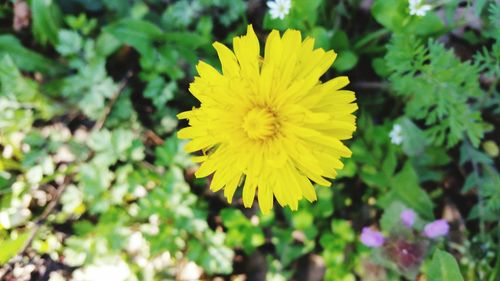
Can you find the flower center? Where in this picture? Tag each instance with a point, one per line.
(260, 123)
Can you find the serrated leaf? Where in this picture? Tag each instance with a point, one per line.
(166, 153)
(420, 73)
(241, 232)
(470, 154)
(70, 42)
(159, 91)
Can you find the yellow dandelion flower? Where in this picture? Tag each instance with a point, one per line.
(268, 123)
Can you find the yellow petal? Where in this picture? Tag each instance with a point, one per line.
(228, 60)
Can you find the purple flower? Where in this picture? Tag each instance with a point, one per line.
(436, 229)
(408, 217)
(372, 238)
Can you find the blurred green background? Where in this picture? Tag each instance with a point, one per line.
(94, 184)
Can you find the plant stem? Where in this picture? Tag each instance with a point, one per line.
(370, 37)
(479, 189)
(107, 110)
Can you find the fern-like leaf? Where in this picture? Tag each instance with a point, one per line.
(438, 89)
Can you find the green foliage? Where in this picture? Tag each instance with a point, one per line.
(489, 61)
(11, 246)
(443, 267)
(137, 33)
(405, 188)
(485, 179)
(25, 58)
(46, 21)
(394, 15)
(21, 99)
(90, 90)
(241, 232)
(438, 89)
(302, 15)
(338, 264)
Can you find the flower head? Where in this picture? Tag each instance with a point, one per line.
(408, 217)
(279, 8)
(396, 134)
(405, 254)
(418, 8)
(372, 238)
(436, 229)
(268, 123)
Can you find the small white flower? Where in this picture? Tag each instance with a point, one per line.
(140, 191)
(133, 210)
(23, 273)
(279, 8)
(13, 217)
(418, 8)
(191, 271)
(115, 269)
(8, 151)
(35, 174)
(162, 261)
(154, 219)
(136, 243)
(56, 276)
(396, 134)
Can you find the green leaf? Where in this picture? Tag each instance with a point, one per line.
(186, 39)
(109, 146)
(390, 13)
(324, 207)
(414, 139)
(479, 6)
(24, 58)
(340, 41)
(392, 216)
(241, 232)
(70, 42)
(345, 61)
(379, 66)
(11, 246)
(444, 267)
(139, 34)
(390, 163)
(166, 153)
(307, 10)
(211, 253)
(438, 88)
(322, 38)
(287, 250)
(302, 16)
(406, 186)
(46, 21)
(304, 220)
(393, 14)
(159, 91)
(107, 44)
(426, 25)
